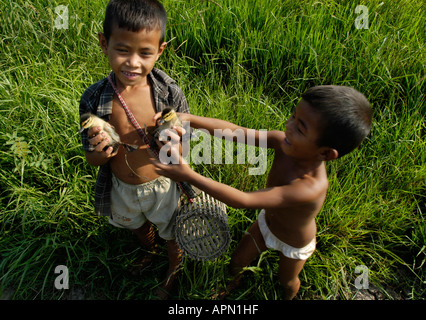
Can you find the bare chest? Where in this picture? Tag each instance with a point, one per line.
(143, 109)
(281, 173)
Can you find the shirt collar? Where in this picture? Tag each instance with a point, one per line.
(105, 101)
(159, 82)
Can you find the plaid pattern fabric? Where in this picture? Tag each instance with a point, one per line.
(97, 99)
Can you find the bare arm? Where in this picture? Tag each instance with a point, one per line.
(275, 197)
(226, 130)
(229, 131)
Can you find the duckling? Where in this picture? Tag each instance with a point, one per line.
(89, 120)
(168, 120)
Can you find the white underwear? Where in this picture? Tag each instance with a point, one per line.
(272, 242)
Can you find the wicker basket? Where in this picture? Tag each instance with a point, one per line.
(201, 230)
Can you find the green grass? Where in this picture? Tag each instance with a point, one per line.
(243, 61)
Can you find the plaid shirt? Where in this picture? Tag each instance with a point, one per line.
(97, 99)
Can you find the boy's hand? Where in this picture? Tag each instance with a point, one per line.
(176, 172)
(157, 117)
(168, 143)
(171, 163)
(99, 140)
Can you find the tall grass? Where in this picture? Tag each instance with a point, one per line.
(243, 61)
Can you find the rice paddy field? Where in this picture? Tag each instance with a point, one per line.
(244, 61)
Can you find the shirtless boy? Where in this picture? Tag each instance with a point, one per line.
(128, 190)
(328, 122)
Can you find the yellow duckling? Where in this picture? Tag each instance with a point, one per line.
(89, 120)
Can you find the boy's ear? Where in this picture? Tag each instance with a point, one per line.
(328, 154)
(103, 42)
(161, 49)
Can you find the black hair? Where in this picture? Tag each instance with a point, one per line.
(346, 116)
(135, 15)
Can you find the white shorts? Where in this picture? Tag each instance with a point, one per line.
(272, 242)
(155, 201)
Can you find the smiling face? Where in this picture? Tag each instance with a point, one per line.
(303, 129)
(132, 55)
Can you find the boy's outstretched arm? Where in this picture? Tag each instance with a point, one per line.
(275, 197)
(228, 130)
(210, 124)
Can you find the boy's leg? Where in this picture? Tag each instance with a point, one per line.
(288, 272)
(175, 258)
(249, 248)
(146, 236)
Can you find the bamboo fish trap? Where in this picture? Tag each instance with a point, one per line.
(202, 230)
